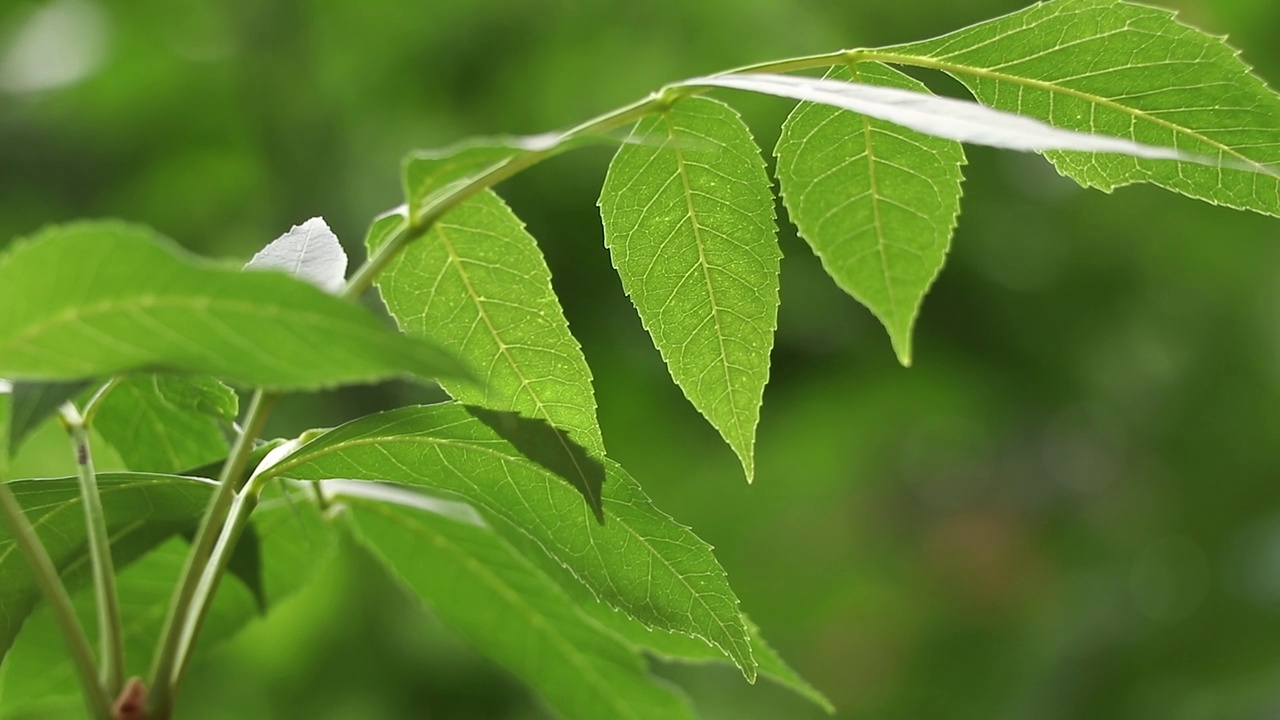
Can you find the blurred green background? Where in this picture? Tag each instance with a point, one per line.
(1068, 508)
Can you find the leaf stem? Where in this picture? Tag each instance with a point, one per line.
(55, 593)
(163, 675)
(110, 634)
(427, 217)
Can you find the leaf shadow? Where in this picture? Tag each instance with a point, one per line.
(552, 448)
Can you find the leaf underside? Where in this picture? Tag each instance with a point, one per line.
(689, 223)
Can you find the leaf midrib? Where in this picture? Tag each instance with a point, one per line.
(682, 171)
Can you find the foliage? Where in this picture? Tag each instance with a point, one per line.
(502, 511)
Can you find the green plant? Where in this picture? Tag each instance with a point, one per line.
(504, 503)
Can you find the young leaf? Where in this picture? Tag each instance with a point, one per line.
(38, 680)
(35, 402)
(167, 423)
(875, 201)
(640, 561)
(1130, 71)
(511, 612)
(478, 284)
(96, 299)
(309, 252)
(690, 225)
(141, 510)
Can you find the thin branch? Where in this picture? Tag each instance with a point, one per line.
(110, 635)
(163, 675)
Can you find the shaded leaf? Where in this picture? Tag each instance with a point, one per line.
(37, 676)
(167, 423)
(1129, 71)
(690, 226)
(141, 511)
(876, 202)
(95, 299)
(34, 402)
(640, 561)
(478, 284)
(511, 612)
(309, 252)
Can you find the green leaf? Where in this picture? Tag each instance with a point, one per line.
(167, 423)
(666, 644)
(876, 202)
(514, 614)
(38, 677)
(96, 299)
(1129, 71)
(141, 510)
(35, 402)
(640, 561)
(477, 283)
(690, 225)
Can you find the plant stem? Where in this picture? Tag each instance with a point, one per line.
(237, 520)
(427, 217)
(163, 676)
(55, 593)
(110, 635)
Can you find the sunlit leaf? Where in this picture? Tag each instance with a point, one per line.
(98, 299)
(875, 201)
(310, 252)
(1129, 71)
(690, 225)
(167, 423)
(639, 561)
(477, 284)
(511, 612)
